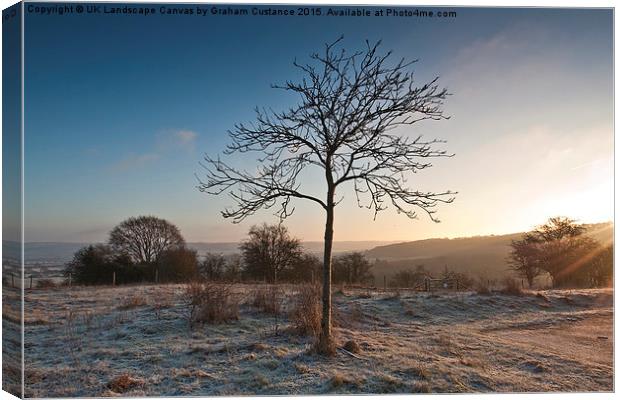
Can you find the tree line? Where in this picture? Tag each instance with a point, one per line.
(149, 249)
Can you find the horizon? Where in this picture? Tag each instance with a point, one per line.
(131, 122)
(609, 222)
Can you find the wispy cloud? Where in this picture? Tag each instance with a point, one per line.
(133, 161)
(164, 143)
(176, 139)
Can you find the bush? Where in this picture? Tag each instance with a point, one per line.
(211, 302)
(306, 313)
(511, 287)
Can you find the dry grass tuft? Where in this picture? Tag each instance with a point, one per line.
(352, 347)
(338, 380)
(268, 299)
(389, 384)
(301, 368)
(418, 370)
(421, 387)
(306, 313)
(211, 302)
(124, 383)
(134, 301)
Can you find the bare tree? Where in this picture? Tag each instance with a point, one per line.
(352, 268)
(343, 126)
(213, 266)
(144, 238)
(524, 258)
(268, 251)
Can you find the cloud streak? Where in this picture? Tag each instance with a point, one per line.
(165, 143)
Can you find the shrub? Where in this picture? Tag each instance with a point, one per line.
(211, 302)
(306, 313)
(511, 287)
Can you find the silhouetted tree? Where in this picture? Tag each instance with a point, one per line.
(352, 268)
(144, 238)
(561, 248)
(524, 259)
(343, 126)
(602, 269)
(95, 264)
(213, 267)
(306, 268)
(177, 264)
(268, 251)
(233, 268)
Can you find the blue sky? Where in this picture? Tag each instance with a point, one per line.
(120, 109)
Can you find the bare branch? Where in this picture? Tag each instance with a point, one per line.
(349, 104)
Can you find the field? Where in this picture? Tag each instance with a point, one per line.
(136, 341)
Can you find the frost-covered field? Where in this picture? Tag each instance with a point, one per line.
(136, 341)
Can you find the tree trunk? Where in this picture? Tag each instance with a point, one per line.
(325, 345)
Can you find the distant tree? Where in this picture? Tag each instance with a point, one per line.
(95, 264)
(524, 259)
(233, 269)
(306, 268)
(407, 278)
(602, 268)
(344, 127)
(144, 238)
(268, 251)
(178, 264)
(213, 267)
(352, 268)
(563, 250)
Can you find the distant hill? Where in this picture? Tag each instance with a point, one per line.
(476, 256)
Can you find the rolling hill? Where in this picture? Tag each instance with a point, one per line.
(476, 256)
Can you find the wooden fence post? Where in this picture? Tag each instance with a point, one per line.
(113, 278)
(12, 280)
(30, 281)
(70, 280)
(156, 275)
